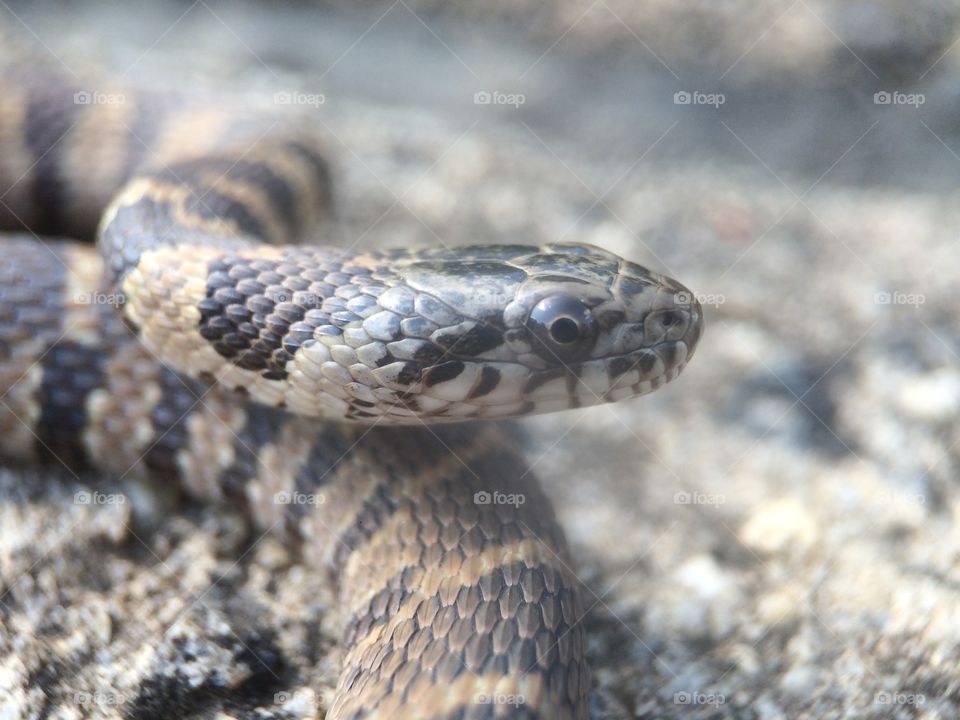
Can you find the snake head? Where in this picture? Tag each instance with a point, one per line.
(536, 329)
(404, 336)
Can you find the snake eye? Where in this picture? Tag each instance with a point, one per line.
(564, 326)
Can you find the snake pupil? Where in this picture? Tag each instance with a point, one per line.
(564, 330)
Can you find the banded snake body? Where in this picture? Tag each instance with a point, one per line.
(200, 341)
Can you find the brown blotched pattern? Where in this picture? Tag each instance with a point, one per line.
(481, 594)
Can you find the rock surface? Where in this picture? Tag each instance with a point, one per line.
(773, 536)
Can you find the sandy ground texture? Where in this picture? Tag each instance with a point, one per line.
(775, 535)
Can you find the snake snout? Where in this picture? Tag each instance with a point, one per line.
(676, 317)
(656, 343)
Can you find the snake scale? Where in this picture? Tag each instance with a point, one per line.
(202, 343)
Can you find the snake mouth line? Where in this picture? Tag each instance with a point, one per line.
(647, 386)
(672, 356)
(643, 387)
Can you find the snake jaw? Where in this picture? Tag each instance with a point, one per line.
(648, 357)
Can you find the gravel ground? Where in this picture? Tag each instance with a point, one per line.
(772, 536)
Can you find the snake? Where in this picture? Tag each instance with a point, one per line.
(341, 397)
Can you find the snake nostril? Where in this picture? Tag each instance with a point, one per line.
(670, 318)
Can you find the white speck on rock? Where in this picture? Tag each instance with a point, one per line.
(932, 396)
(778, 525)
(800, 681)
(700, 601)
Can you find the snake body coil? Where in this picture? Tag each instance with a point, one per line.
(449, 601)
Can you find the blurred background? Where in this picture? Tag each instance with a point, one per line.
(772, 536)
